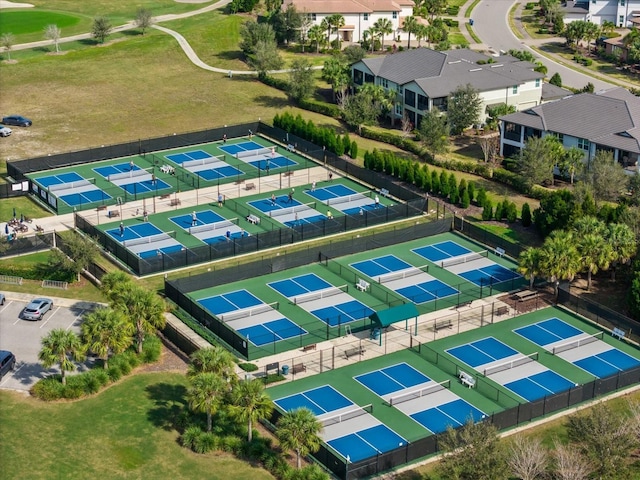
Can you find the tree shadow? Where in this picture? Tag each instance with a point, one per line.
(229, 55)
(169, 403)
(273, 102)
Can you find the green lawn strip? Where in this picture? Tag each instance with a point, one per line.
(123, 432)
(27, 25)
(470, 8)
(475, 37)
(23, 205)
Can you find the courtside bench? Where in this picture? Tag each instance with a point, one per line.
(251, 218)
(384, 192)
(618, 333)
(467, 380)
(362, 285)
(298, 368)
(308, 348)
(351, 352)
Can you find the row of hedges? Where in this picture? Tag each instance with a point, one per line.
(92, 381)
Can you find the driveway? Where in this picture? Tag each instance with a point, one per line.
(23, 337)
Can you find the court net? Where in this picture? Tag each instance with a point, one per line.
(328, 292)
(419, 393)
(209, 227)
(255, 153)
(150, 239)
(202, 161)
(68, 185)
(131, 174)
(501, 367)
(470, 257)
(292, 210)
(411, 272)
(249, 312)
(349, 198)
(577, 343)
(347, 415)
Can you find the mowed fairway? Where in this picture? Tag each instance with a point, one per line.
(123, 432)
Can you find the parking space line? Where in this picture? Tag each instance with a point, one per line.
(50, 316)
(78, 317)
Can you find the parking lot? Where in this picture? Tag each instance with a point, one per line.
(22, 337)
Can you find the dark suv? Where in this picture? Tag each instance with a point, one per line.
(17, 120)
(7, 362)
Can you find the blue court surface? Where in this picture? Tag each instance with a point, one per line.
(342, 313)
(82, 198)
(144, 186)
(489, 275)
(228, 302)
(70, 177)
(158, 251)
(203, 217)
(607, 363)
(333, 191)
(268, 205)
(452, 414)
(426, 291)
(292, 287)
(273, 163)
(139, 230)
(180, 158)
(219, 172)
(441, 251)
(307, 220)
(392, 379)
(363, 443)
(540, 385)
(375, 267)
(548, 331)
(108, 170)
(271, 331)
(482, 351)
(240, 147)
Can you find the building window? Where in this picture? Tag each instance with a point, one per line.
(423, 102)
(368, 78)
(399, 109)
(365, 16)
(584, 144)
(512, 131)
(622, 3)
(560, 137)
(537, 82)
(621, 22)
(358, 77)
(384, 82)
(440, 103)
(514, 90)
(313, 17)
(395, 15)
(410, 98)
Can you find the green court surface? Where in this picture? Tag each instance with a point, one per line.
(340, 273)
(432, 360)
(161, 173)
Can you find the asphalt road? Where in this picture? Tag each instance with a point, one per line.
(491, 24)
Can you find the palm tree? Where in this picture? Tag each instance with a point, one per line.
(62, 347)
(607, 27)
(298, 430)
(250, 403)
(591, 32)
(336, 20)
(369, 35)
(559, 258)
(106, 331)
(7, 40)
(113, 284)
(145, 311)
(326, 26)
(384, 27)
(410, 26)
(595, 254)
(316, 34)
(205, 393)
(529, 264)
(623, 244)
(588, 225)
(572, 161)
(212, 360)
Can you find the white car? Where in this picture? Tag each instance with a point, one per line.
(4, 131)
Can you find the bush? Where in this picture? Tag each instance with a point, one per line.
(511, 212)
(48, 389)
(526, 215)
(151, 350)
(114, 372)
(487, 210)
(75, 387)
(530, 5)
(248, 367)
(353, 153)
(328, 109)
(205, 442)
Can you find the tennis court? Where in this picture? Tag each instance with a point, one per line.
(411, 282)
(209, 227)
(73, 189)
(131, 178)
(349, 429)
(262, 158)
(259, 322)
(410, 391)
(288, 211)
(205, 165)
(586, 351)
(343, 198)
(333, 305)
(472, 266)
(522, 374)
(145, 239)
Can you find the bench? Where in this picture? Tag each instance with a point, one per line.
(168, 169)
(525, 294)
(113, 213)
(442, 323)
(384, 192)
(165, 196)
(291, 148)
(250, 186)
(351, 352)
(298, 368)
(309, 347)
(39, 229)
(467, 380)
(618, 333)
(288, 174)
(464, 304)
(362, 285)
(101, 208)
(174, 202)
(251, 218)
(503, 310)
(500, 251)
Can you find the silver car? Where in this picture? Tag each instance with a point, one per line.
(5, 131)
(2, 298)
(37, 308)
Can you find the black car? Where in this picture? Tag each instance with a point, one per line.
(7, 362)
(17, 120)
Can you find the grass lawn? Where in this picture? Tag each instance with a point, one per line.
(123, 432)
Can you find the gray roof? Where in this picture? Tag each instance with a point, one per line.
(609, 118)
(553, 92)
(575, 7)
(440, 73)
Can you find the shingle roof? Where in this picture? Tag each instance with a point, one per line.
(404, 67)
(610, 118)
(347, 6)
(553, 92)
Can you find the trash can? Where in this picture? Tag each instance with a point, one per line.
(375, 334)
(471, 22)
(285, 369)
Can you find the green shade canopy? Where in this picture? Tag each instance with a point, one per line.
(385, 318)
